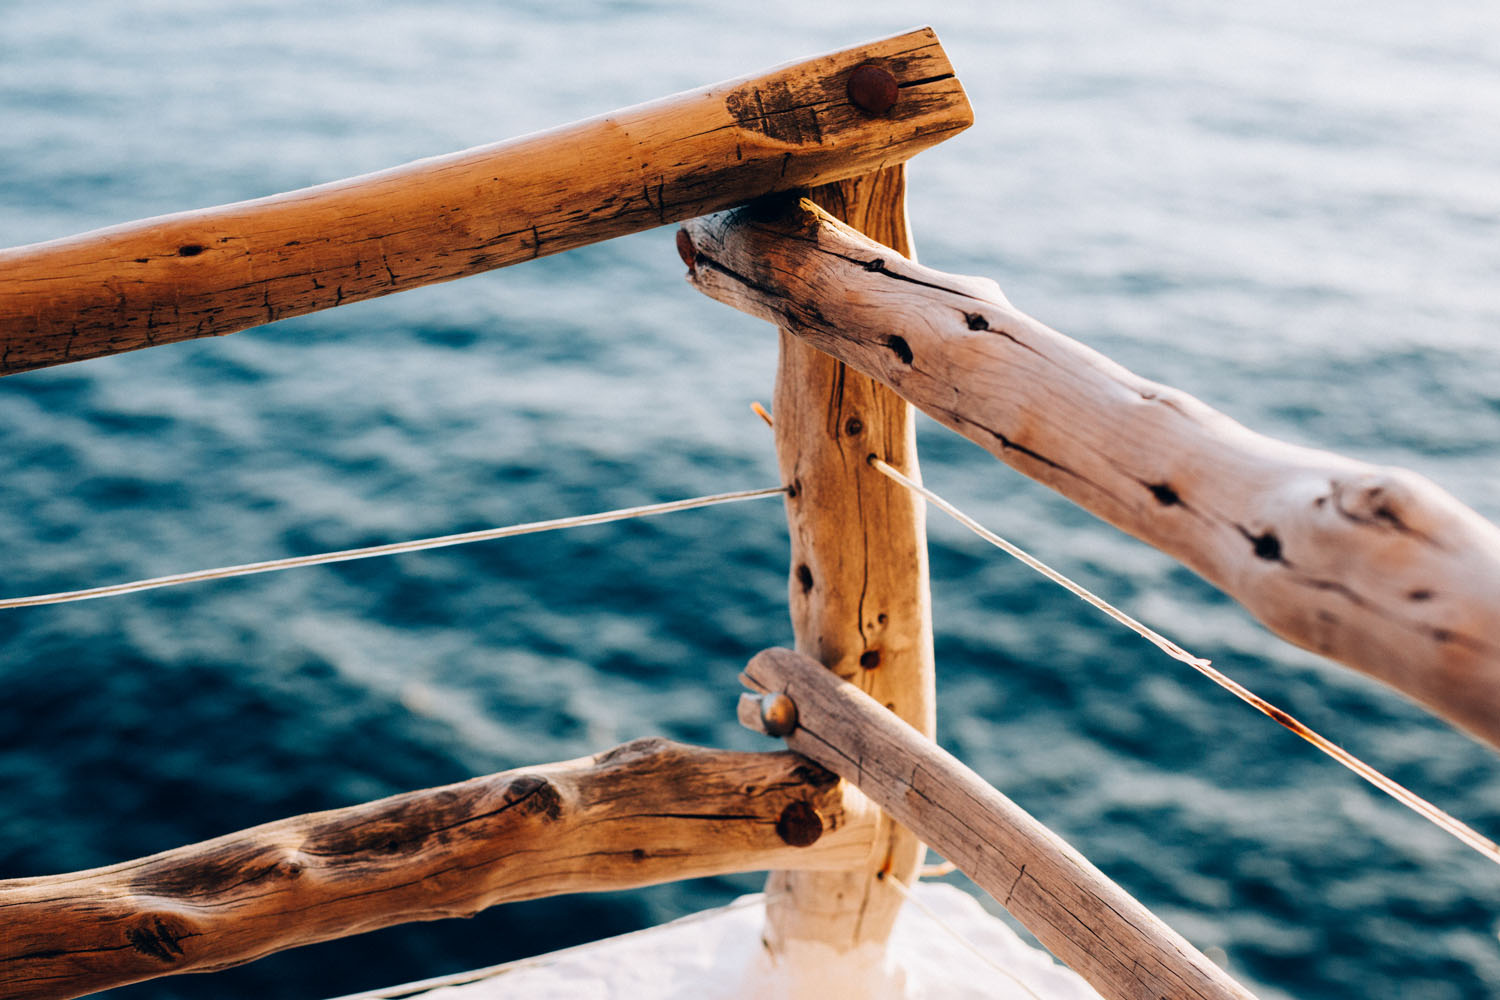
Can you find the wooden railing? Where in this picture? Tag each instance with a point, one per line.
(841, 124)
(218, 270)
(637, 815)
(1085, 919)
(1376, 568)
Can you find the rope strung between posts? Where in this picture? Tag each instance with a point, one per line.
(1400, 793)
(956, 935)
(409, 991)
(389, 549)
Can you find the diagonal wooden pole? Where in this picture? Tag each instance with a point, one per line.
(1375, 567)
(1122, 949)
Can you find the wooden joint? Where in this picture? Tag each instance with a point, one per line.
(1082, 917)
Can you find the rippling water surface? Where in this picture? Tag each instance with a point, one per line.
(1291, 210)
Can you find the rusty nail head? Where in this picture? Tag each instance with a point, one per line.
(873, 89)
(778, 713)
(799, 825)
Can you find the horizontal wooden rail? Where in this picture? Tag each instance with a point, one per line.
(1082, 917)
(1377, 568)
(646, 812)
(219, 270)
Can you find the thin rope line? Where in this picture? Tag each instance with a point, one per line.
(953, 932)
(392, 548)
(1411, 800)
(407, 990)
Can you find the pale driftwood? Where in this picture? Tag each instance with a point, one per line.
(1374, 567)
(858, 583)
(1086, 920)
(643, 813)
(218, 270)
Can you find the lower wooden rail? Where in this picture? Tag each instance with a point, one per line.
(646, 812)
(1081, 916)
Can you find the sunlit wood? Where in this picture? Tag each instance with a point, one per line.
(1082, 917)
(1375, 567)
(218, 270)
(643, 813)
(858, 579)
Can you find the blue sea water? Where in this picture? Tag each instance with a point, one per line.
(1289, 209)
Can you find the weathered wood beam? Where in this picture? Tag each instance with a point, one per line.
(858, 591)
(219, 270)
(1075, 911)
(1375, 567)
(646, 812)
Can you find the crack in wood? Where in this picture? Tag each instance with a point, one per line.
(1014, 885)
(704, 260)
(905, 84)
(1009, 445)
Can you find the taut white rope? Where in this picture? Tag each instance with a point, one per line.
(392, 548)
(413, 990)
(953, 932)
(1400, 793)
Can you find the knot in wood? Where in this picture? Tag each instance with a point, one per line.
(799, 825)
(158, 939)
(534, 795)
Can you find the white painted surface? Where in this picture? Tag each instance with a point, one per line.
(717, 956)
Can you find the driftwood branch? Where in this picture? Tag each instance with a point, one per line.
(1377, 568)
(219, 270)
(857, 590)
(643, 813)
(1081, 916)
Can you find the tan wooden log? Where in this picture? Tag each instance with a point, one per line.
(1075, 911)
(646, 812)
(858, 589)
(1375, 567)
(219, 270)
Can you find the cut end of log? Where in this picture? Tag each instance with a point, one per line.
(748, 712)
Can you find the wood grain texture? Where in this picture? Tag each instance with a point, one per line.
(1122, 949)
(1374, 567)
(646, 812)
(219, 270)
(858, 589)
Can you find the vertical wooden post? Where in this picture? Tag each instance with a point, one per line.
(858, 589)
